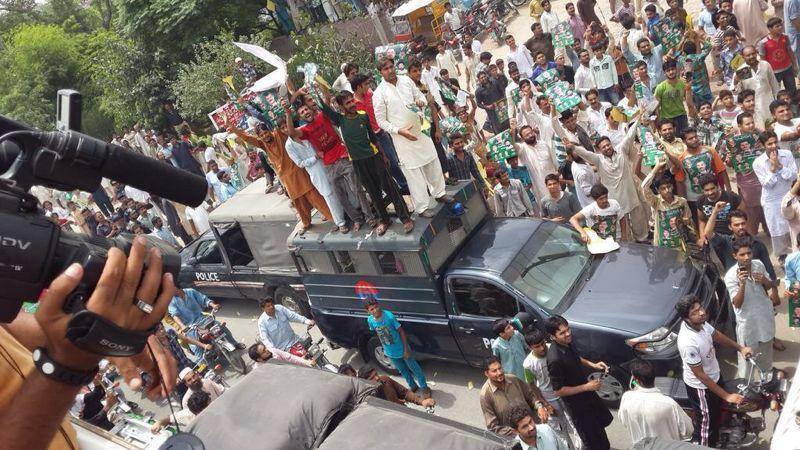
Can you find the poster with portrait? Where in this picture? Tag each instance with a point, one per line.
(500, 147)
(451, 125)
(742, 151)
(793, 295)
(651, 149)
(563, 97)
(447, 92)
(669, 223)
(425, 117)
(501, 109)
(398, 53)
(562, 35)
(234, 111)
(516, 96)
(669, 32)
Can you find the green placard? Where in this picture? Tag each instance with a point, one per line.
(669, 32)
(793, 294)
(562, 35)
(501, 109)
(451, 125)
(397, 52)
(500, 147)
(547, 79)
(562, 96)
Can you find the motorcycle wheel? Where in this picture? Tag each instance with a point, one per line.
(235, 360)
(518, 3)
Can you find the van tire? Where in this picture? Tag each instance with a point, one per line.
(615, 383)
(291, 299)
(375, 354)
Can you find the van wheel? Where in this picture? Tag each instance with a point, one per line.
(375, 353)
(291, 299)
(614, 384)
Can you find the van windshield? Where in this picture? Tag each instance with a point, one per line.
(548, 265)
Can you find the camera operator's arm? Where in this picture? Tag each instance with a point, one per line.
(31, 417)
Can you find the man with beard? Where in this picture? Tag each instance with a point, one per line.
(502, 392)
(415, 73)
(295, 180)
(616, 172)
(195, 383)
(490, 91)
(588, 413)
(538, 157)
(415, 150)
(762, 82)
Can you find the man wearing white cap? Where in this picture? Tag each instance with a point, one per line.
(247, 71)
(195, 383)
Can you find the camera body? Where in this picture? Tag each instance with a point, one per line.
(34, 250)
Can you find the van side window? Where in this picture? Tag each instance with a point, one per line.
(236, 245)
(480, 298)
(390, 264)
(208, 252)
(344, 264)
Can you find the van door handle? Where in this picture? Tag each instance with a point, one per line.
(467, 330)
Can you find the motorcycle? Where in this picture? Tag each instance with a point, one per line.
(762, 390)
(497, 27)
(474, 21)
(309, 349)
(210, 331)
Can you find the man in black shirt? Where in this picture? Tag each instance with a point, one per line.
(541, 42)
(488, 92)
(589, 414)
(723, 243)
(712, 194)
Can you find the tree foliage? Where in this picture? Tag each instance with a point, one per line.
(37, 61)
(329, 49)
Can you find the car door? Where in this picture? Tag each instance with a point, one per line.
(475, 304)
(211, 275)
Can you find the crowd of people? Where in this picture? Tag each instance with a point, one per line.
(684, 133)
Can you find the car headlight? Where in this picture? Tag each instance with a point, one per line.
(653, 341)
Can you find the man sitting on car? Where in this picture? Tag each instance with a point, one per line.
(274, 329)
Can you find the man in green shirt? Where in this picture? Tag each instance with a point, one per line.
(671, 93)
(368, 162)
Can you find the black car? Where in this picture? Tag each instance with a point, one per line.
(451, 278)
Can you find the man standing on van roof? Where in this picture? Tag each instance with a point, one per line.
(295, 180)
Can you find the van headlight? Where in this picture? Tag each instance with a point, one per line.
(654, 341)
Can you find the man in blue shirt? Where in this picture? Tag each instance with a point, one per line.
(510, 347)
(274, 329)
(163, 233)
(395, 346)
(186, 308)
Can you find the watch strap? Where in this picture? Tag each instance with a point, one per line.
(53, 370)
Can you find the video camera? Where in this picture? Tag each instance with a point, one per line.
(33, 249)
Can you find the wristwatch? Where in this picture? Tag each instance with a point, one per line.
(51, 369)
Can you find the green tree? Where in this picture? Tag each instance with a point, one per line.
(328, 49)
(37, 61)
(174, 27)
(126, 83)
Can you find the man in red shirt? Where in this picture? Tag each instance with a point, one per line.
(319, 131)
(363, 95)
(775, 49)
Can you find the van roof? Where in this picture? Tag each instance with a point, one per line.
(319, 237)
(251, 204)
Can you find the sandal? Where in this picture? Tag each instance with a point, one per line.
(381, 230)
(344, 229)
(335, 229)
(778, 345)
(356, 226)
(372, 223)
(408, 226)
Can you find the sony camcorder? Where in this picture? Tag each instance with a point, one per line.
(34, 250)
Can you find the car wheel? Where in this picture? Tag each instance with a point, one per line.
(614, 384)
(376, 354)
(291, 299)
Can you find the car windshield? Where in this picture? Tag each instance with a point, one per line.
(548, 265)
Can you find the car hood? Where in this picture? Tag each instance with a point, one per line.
(634, 289)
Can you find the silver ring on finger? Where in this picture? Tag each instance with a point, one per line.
(144, 306)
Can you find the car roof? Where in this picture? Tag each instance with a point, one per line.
(251, 204)
(496, 244)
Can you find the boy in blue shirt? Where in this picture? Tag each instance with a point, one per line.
(395, 345)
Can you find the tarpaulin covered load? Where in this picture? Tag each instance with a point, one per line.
(380, 424)
(279, 406)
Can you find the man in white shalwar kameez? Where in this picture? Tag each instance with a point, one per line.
(762, 82)
(304, 155)
(616, 172)
(537, 155)
(417, 155)
(777, 171)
